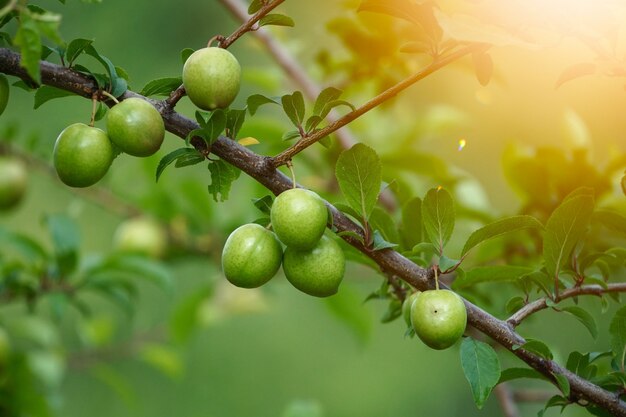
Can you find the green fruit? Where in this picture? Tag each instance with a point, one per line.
(82, 155)
(299, 218)
(318, 271)
(251, 256)
(136, 127)
(4, 92)
(406, 307)
(211, 77)
(439, 318)
(13, 182)
(142, 236)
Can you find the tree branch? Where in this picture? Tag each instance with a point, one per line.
(262, 169)
(542, 303)
(440, 62)
(249, 24)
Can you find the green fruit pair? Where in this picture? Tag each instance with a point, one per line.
(83, 154)
(439, 317)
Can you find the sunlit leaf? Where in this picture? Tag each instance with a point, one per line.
(438, 216)
(500, 227)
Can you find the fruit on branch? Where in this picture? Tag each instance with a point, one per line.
(299, 218)
(318, 271)
(82, 155)
(4, 92)
(406, 306)
(136, 127)
(439, 318)
(211, 77)
(251, 256)
(13, 182)
(142, 236)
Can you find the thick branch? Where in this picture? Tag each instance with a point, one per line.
(261, 169)
(440, 62)
(542, 303)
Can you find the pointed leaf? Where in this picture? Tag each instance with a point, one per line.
(380, 243)
(500, 227)
(293, 105)
(161, 86)
(359, 174)
(264, 203)
(75, 48)
(412, 229)
(584, 317)
(617, 329)
(223, 175)
(234, 121)
(536, 347)
(492, 273)
(257, 100)
(276, 19)
(46, 93)
(565, 227)
(255, 6)
(327, 95)
(214, 126)
(563, 384)
(481, 367)
(438, 216)
(517, 373)
(171, 157)
(29, 41)
(185, 54)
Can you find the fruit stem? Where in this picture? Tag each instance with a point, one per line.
(94, 105)
(435, 268)
(293, 173)
(111, 96)
(218, 38)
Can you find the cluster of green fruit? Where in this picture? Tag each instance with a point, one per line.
(83, 154)
(439, 317)
(312, 262)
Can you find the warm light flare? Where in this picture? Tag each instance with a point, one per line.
(462, 143)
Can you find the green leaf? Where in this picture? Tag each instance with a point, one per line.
(517, 373)
(255, 6)
(214, 126)
(565, 227)
(276, 19)
(382, 221)
(257, 100)
(492, 273)
(394, 310)
(139, 267)
(222, 176)
(446, 263)
(46, 93)
(498, 228)
(584, 317)
(161, 86)
(379, 242)
(29, 41)
(563, 383)
(412, 229)
(617, 330)
(28, 247)
(188, 160)
(347, 306)
(264, 203)
(66, 239)
(290, 135)
(48, 23)
(327, 95)
(611, 220)
(185, 54)
(293, 105)
(359, 174)
(312, 122)
(335, 103)
(75, 48)
(162, 358)
(438, 216)
(118, 84)
(537, 347)
(481, 367)
(234, 121)
(173, 156)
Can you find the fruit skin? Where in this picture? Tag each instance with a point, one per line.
(4, 92)
(142, 236)
(439, 318)
(212, 77)
(299, 218)
(136, 127)
(251, 256)
(406, 307)
(82, 155)
(318, 271)
(13, 182)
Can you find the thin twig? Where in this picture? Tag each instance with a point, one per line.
(440, 62)
(249, 24)
(260, 168)
(542, 303)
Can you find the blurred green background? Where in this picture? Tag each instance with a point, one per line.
(274, 351)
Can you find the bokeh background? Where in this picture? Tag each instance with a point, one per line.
(275, 351)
